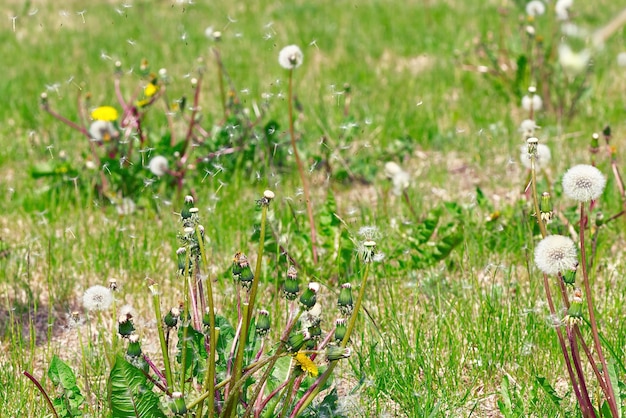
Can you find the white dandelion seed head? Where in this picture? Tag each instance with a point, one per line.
(556, 253)
(400, 179)
(583, 182)
(573, 63)
(543, 156)
(528, 127)
(562, 8)
(290, 57)
(369, 233)
(535, 8)
(158, 165)
(102, 130)
(97, 298)
(532, 101)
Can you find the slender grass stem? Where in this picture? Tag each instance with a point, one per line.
(164, 349)
(305, 182)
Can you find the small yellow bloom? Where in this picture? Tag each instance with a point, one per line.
(150, 90)
(106, 113)
(306, 364)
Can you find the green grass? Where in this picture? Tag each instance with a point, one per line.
(442, 338)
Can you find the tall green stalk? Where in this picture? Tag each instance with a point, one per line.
(154, 288)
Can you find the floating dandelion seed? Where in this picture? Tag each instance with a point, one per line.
(556, 253)
(583, 182)
(97, 298)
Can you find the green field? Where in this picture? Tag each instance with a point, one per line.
(455, 320)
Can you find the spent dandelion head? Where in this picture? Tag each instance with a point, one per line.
(97, 298)
(542, 156)
(556, 253)
(583, 183)
(290, 57)
(532, 101)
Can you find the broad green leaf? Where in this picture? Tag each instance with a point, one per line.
(130, 392)
(545, 385)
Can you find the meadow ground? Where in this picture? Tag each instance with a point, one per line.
(434, 86)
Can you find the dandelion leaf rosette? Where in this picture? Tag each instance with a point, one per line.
(130, 393)
(68, 403)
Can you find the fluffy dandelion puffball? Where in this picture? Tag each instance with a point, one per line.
(290, 57)
(573, 63)
(158, 165)
(401, 179)
(102, 131)
(583, 182)
(543, 156)
(535, 8)
(97, 298)
(532, 101)
(556, 253)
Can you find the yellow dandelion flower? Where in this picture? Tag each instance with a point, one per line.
(106, 113)
(150, 90)
(306, 364)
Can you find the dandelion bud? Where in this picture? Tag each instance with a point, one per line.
(345, 301)
(263, 323)
(599, 219)
(309, 296)
(44, 99)
(236, 266)
(594, 148)
(134, 346)
(569, 276)
(545, 207)
(291, 287)
(194, 82)
(334, 353)
(171, 318)
(315, 333)
(125, 325)
(340, 329)
(242, 271)
(177, 405)
(181, 256)
(575, 311)
(295, 341)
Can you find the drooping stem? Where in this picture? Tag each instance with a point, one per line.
(43, 392)
(305, 182)
(610, 394)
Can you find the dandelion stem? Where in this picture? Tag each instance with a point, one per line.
(305, 183)
(209, 382)
(43, 392)
(586, 407)
(160, 324)
(610, 394)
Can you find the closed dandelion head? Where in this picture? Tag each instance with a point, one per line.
(556, 253)
(400, 179)
(291, 287)
(309, 296)
(583, 183)
(290, 57)
(158, 165)
(542, 156)
(97, 298)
